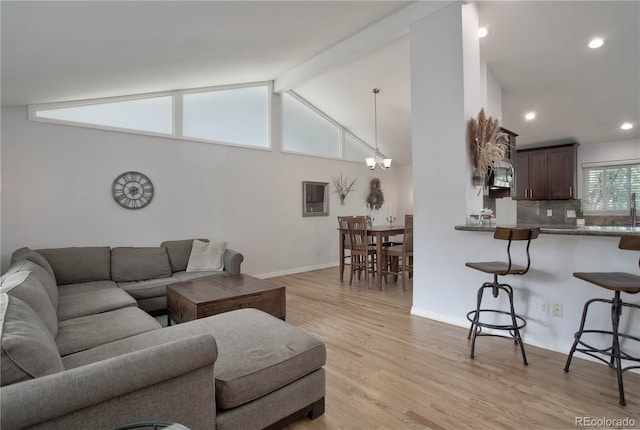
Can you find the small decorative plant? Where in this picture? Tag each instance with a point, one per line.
(488, 146)
(579, 211)
(343, 187)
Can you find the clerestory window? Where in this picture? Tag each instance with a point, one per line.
(152, 114)
(231, 115)
(307, 130)
(235, 115)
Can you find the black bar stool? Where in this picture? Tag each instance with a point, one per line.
(617, 282)
(499, 268)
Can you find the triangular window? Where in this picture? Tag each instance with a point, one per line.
(154, 114)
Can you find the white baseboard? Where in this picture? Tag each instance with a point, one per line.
(296, 270)
(463, 322)
(528, 340)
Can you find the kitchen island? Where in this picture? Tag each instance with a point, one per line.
(573, 230)
(560, 250)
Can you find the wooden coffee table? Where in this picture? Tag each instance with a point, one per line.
(213, 295)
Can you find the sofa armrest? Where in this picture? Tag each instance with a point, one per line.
(232, 261)
(168, 382)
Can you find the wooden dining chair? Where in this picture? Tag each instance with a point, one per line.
(398, 259)
(360, 248)
(342, 224)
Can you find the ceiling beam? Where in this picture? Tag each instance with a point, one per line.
(381, 31)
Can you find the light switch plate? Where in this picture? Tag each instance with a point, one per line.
(549, 212)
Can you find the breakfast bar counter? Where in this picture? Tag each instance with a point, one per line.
(559, 251)
(572, 230)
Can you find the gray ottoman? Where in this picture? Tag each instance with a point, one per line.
(267, 370)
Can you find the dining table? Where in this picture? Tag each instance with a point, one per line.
(380, 233)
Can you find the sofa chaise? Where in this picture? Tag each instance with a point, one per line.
(84, 355)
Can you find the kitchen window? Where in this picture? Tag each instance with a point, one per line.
(608, 188)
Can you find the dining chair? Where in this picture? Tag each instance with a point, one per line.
(398, 259)
(342, 224)
(360, 248)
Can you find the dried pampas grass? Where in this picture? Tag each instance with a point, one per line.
(488, 146)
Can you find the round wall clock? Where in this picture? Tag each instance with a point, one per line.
(132, 190)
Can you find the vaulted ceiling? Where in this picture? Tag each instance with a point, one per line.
(57, 51)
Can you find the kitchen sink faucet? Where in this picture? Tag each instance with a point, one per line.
(632, 205)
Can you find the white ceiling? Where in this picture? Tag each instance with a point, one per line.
(57, 51)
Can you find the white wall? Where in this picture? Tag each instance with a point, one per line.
(444, 289)
(56, 192)
(491, 92)
(441, 167)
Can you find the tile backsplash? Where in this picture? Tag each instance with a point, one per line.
(535, 212)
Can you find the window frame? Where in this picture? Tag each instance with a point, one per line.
(177, 103)
(178, 113)
(343, 131)
(609, 164)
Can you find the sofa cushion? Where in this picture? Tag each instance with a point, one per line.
(84, 287)
(154, 306)
(257, 353)
(79, 264)
(93, 302)
(260, 354)
(147, 289)
(31, 255)
(27, 348)
(79, 334)
(179, 252)
(138, 264)
(26, 287)
(188, 276)
(45, 278)
(206, 256)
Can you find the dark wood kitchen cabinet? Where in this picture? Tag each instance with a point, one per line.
(561, 169)
(547, 173)
(511, 146)
(509, 157)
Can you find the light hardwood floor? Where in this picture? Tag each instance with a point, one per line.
(387, 369)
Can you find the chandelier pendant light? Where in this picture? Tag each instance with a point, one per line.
(377, 159)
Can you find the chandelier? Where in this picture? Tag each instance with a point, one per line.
(377, 159)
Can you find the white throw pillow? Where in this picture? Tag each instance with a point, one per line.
(206, 256)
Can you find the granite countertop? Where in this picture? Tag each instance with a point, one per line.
(589, 230)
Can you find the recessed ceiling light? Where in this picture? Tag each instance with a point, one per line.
(530, 115)
(626, 126)
(483, 32)
(596, 42)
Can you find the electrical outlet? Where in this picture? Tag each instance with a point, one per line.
(544, 308)
(571, 213)
(556, 310)
(549, 212)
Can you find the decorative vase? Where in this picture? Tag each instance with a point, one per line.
(478, 177)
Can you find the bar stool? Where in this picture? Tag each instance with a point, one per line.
(617, 282)
(499, 268)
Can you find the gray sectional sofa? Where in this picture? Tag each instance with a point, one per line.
(143, 272)
(79, 352)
